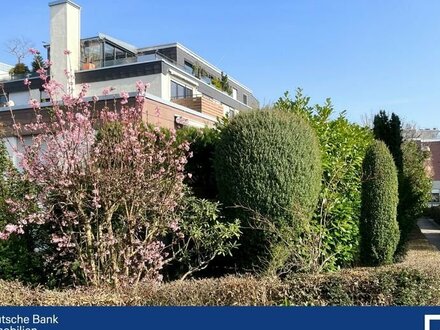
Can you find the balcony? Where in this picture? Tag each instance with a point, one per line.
(18, 76)
(201, 104)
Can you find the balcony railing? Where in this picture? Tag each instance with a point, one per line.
(201, 104)
(17, 76)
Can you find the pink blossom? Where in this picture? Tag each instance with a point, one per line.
(136, 171)
(140, 86)
(27, 82)
(47, 63)
(11, 228)
(107, 90)
(174, 225)
(34, 103)
(125, 97)
(33, 51)
(67, 52)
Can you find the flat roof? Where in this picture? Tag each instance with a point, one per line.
(60, 2)
(198, 57)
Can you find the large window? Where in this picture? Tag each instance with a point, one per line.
(179, 91)
(101, 53)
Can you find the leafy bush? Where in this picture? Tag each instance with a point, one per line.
(19, 68)
(343, 146)
(19, 257)
(200, 165)
(267, 163)
(379, 228)
(206, 235)
(414, 190)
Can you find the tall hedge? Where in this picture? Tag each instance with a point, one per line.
(414, 190)
(267, 166)
(378, 227)
(343, 146)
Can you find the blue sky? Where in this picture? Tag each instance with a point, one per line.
(366, 55)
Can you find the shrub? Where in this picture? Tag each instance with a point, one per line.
(267, 163)
(343, 146)
(200, 165)
(19, 68)
(386, 287)
(379, 228)
(414, 190)
(205, 236)
(108, 202)
(18, 256)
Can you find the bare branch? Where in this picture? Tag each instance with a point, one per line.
(19, 47)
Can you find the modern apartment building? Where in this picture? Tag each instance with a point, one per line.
(184, 89)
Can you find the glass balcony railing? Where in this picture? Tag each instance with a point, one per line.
(17, 76)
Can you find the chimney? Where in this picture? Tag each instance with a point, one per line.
(64, 35)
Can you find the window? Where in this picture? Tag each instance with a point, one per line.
(188, 67)
(43, 96)
(101, 54)
(179, 91)
(232, 113)
(245, 99)
(234, 93)
(109, 53)
(435, 197)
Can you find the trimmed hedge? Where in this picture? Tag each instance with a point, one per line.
(378, 226)
(414, 282)
(396, 286)
(267, 165)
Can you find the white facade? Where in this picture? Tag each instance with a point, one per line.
(64, 35)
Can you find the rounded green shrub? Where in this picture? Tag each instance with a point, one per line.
(268, 169)
(378, 227)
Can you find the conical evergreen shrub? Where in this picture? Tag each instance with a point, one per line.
(378, 227)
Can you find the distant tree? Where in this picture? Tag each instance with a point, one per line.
(389, 130)
(19, 69)
(19, 47)
(37, 62)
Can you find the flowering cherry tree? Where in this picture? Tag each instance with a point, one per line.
(107, 186)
